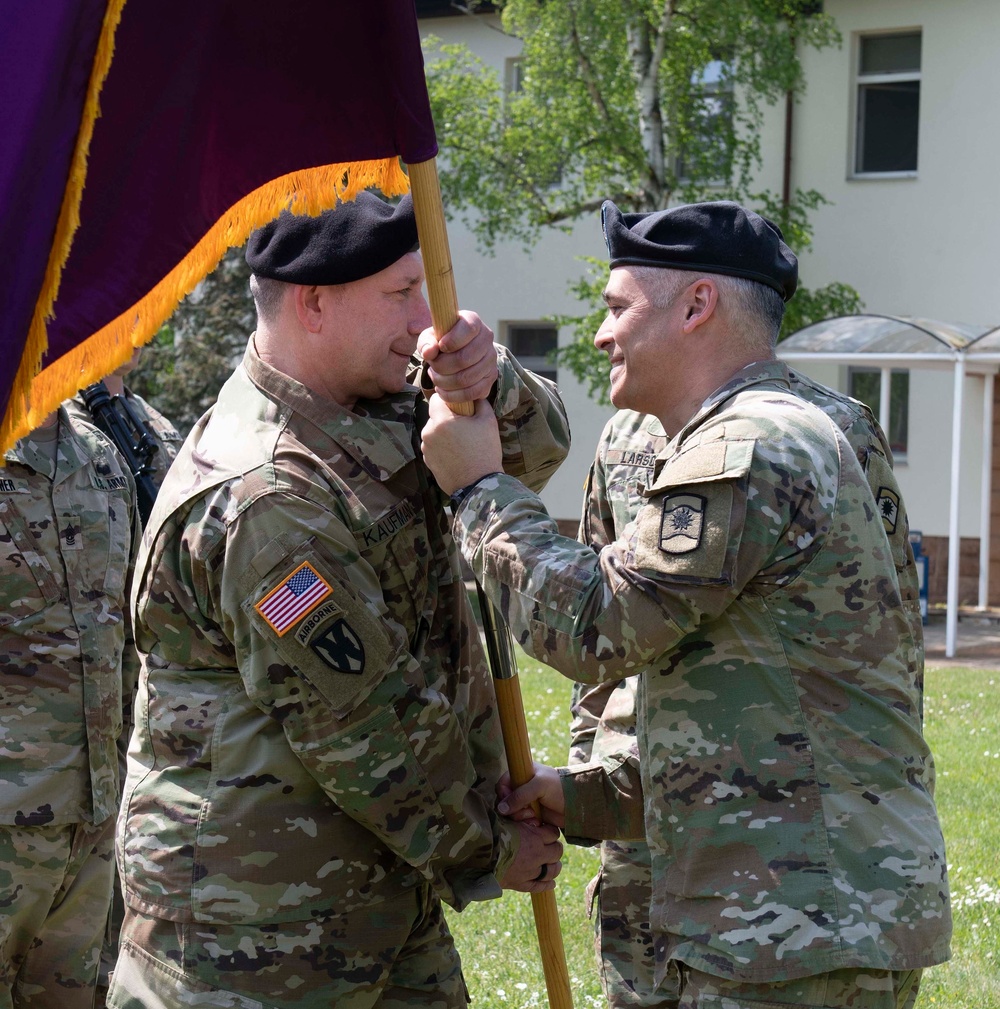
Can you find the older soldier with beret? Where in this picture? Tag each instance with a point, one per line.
(317, 746)
(779, 776)
(603, 725)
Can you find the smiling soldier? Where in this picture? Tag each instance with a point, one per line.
(317, 744)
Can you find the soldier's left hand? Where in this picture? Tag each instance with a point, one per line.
(459, 450)
(463, 363)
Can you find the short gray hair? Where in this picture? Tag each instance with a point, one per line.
(267, 296)
(753, 308)
(661, 285)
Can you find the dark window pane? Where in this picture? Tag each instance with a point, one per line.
(866, 385)
(899, 411)
(890, 54)
(531, 341)
(887, 127)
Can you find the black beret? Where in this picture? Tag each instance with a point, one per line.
(717, 237)
(349, 242)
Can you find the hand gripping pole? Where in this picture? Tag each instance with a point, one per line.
(443, 300)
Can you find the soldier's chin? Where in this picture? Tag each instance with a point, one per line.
(617, 393)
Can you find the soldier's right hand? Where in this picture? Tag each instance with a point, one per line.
(538, 860)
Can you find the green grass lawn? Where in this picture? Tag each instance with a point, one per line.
(497, 938)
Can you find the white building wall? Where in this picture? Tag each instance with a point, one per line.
(518, 286)
(925, 246)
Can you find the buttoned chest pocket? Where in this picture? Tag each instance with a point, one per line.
(625, 486)
(27, 585)
(97, 541)
(396, 546)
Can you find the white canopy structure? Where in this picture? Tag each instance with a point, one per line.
(885, 342)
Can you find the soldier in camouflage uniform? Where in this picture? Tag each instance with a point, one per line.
(164, 434)
(603, 714)
(67, 530)
(779, 776)
(168, 442)
(317, 746)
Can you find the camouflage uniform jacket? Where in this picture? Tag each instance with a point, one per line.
(168, 440)
(603, 724)
(786, 783)
(316, 725)
(66, 536)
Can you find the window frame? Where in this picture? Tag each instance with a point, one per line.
(539, 364)
(899, 454)
(858, 80)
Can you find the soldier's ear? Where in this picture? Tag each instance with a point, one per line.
(701, 300)
(308, 307)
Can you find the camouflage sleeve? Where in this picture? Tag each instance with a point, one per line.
(597, 529)
(356, 707)
(604, 799)
(130, 657)
(534, 429)
(712, 520)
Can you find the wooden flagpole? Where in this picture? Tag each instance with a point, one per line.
(443, 299)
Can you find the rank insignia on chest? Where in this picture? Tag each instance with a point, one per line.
(888, 508)
(340, 648)
(682, 522)
(297, 595)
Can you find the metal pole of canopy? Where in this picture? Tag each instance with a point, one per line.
(954, 542)
(443, 299)
(986, 492)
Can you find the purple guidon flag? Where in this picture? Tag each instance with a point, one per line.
(212, 117)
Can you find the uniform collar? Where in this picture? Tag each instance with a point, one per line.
(72, 452)
(760, 372)
(377, 434)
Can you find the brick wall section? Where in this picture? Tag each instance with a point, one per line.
(994, 599)
(936, 549)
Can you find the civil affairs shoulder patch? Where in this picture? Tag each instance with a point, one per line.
(297, 595)
(888, 508)
(682, 523)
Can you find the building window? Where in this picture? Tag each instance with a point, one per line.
(888, 104)
(531, 343)
(866, 384)
(705, 152)
(514, 74)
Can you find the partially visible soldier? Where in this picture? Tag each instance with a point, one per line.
(68, 528)
(162, 432)
(317, 745)
(168, 442)
(603, 715)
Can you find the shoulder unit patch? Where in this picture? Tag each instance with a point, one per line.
(888, 508)
(682, 523)
(340, 648)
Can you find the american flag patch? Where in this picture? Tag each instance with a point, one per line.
(296, 596)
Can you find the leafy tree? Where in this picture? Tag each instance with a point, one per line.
(645, 102)
(185, 364)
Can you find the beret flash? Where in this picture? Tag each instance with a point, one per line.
(716, 237)
(349, 242)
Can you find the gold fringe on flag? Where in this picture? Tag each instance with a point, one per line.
(309, 191)
(15, 423)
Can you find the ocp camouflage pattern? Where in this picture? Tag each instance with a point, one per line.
(294, 758)
(603, 723)
(66, 536)
(788, 789)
